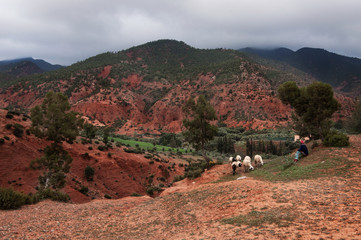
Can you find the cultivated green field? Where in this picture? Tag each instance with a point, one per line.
(148, 146)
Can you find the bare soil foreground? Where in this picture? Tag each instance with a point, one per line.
(215, 206)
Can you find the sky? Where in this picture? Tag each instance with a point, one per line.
(67, 31)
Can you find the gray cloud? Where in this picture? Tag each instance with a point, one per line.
(67, 31)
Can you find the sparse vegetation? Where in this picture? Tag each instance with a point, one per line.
(282, 217)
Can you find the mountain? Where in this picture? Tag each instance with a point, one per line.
(21, 68)
(143, 89)
(279, 54)
(26, 66)
(343, 73)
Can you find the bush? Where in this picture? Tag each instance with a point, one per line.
(107, 196)
(10, 199)
(8, 126)
(178, 178)
(152, 189)
(2, 140)
(89, 173)
(133, 150)
(84, 190)
(148, 156)
(336, 139)
(9, 115)
(102, 148)
(53, 195)
(136, 195)
(18, 130)
(195, 169)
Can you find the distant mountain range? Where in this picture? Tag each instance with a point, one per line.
(26, 66)
(343, 73)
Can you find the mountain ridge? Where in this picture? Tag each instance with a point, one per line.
(146, 87)
(341, 72)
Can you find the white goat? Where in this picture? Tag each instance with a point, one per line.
(247, 164)
(236, 162)
(258, 161)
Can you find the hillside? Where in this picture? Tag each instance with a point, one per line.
(341, 72)
(117, 173)
(320, 200)
(145, 87)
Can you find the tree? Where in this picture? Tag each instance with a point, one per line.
(54, 121)
(354, 123)
(314, 106)
(90, 131)
(199, 130)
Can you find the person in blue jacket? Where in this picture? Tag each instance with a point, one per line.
(302, 150)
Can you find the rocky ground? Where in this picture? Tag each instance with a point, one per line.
(207, 208)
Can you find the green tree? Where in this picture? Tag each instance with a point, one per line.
(54, 121)
(197, 122)
(314, 106)
(89, 173)
(353, 124)
(90, 131)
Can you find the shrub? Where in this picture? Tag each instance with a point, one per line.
(2, 140)
(336, 139)
(9, 115)
(7, 138)
(8, 126)
(90, 148)
(10, 199)
(133, 150)
(152, 189)
(148, 156)
(195, 169)
(107, 196)
(178, 178)
(136, 195)
(84, 190)
(53, 195)
(89, 173)
(18, 130)
(101, 148)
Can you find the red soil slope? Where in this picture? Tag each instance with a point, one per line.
(118, 175)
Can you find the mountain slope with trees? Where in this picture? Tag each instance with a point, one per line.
(143, 89)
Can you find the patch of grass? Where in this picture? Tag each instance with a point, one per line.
(283, 169)
(147, 145)
(280, 216)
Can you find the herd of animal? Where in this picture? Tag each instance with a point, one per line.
(247, 163)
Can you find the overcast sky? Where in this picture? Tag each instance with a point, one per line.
(67, 31)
